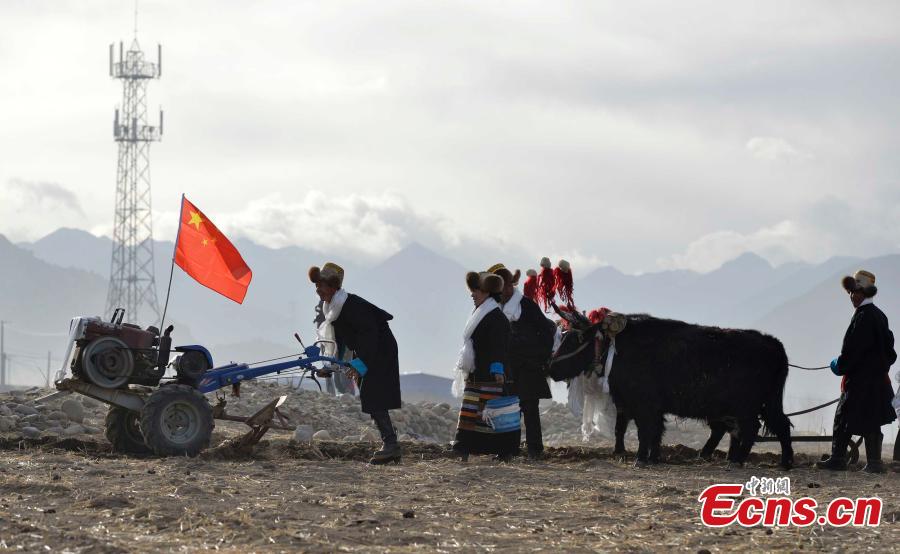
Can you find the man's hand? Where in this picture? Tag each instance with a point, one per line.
(499, 378)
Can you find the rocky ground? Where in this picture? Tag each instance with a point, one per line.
(61, 488)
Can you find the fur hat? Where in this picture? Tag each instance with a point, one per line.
(862, 281)
(531, 273)
(485, 282)
(331, 274)
(507, 275)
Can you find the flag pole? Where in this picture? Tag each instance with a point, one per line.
(172, 267)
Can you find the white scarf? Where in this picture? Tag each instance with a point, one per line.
(465, 364)
(513, 307)
(331, 311)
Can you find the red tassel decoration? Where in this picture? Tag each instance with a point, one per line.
(562, 277)
(597, 316)
(530, 287)
(546, 285)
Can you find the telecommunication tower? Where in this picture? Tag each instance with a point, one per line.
(132, 284)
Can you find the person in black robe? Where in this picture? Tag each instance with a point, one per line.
(356, 324)
(483, 363)
(530, 346)
(866, 393)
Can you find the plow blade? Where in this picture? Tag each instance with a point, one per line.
(259, 423)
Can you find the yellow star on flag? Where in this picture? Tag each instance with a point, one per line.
(205, 242)
(195, 220)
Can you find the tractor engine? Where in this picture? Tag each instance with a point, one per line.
(114, 355)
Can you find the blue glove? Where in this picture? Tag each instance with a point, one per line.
(834, 367)
(496, 368)
(359, 366)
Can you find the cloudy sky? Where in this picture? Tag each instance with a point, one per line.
(646, 135)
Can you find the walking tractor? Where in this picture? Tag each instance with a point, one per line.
(123, 365)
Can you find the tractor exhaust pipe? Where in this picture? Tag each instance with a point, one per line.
(165, 347)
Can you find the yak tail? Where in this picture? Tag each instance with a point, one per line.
(774, 420)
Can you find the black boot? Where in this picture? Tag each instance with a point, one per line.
(838, 459)
(390, 450)
(873, 453)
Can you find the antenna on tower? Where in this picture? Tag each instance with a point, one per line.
(132, 281)
(135, 18)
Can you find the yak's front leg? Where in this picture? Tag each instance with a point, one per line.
(717, 430)
(622, 419)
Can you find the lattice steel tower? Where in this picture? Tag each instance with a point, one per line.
(132, 284)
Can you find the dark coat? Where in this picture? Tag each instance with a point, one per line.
(866, 357)
(491, 342)
(530, 345)
(363, 328)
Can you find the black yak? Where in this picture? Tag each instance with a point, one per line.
(727, 377)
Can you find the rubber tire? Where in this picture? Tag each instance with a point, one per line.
(152, 414)
(120, 431)
(191, 366)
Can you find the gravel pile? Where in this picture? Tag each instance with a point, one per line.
(66, 416)
(316, 416)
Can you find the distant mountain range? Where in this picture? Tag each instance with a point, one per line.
(45, 283)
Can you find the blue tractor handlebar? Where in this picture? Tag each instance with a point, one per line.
(232, 374)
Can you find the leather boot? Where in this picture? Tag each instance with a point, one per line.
(388, 453)
(390, 450)
(873, 453)
(838, 459)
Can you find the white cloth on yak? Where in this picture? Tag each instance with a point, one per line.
(465, 364)
(331, 310)
(589, 399)
(595, 407)
(513, 307)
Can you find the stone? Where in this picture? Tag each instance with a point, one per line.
(370, 435)
(74, 409)
(25, 410)
(32, 418)
(18, 394)
(303, 433)
(321, 435)
(5, 410)
(7, 424)
(90, 430)
(53, 431)
(56, 415)
(90, 403)
(31, 432)
(73, 429)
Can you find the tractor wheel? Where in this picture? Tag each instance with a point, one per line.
(190, 367)
(177, 420)
(107, 362)
(123, 431)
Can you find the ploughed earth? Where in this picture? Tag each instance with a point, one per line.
(68, 492)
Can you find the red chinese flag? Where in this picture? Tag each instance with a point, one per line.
(205, 254)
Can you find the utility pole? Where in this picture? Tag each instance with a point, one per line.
(48, 370)
(2, 355)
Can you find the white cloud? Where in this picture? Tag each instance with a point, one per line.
(32, 209)
(829, 227)
(774, 149)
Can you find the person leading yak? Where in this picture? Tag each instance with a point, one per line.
(356, 324)
(866, 357)
(530, 342)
